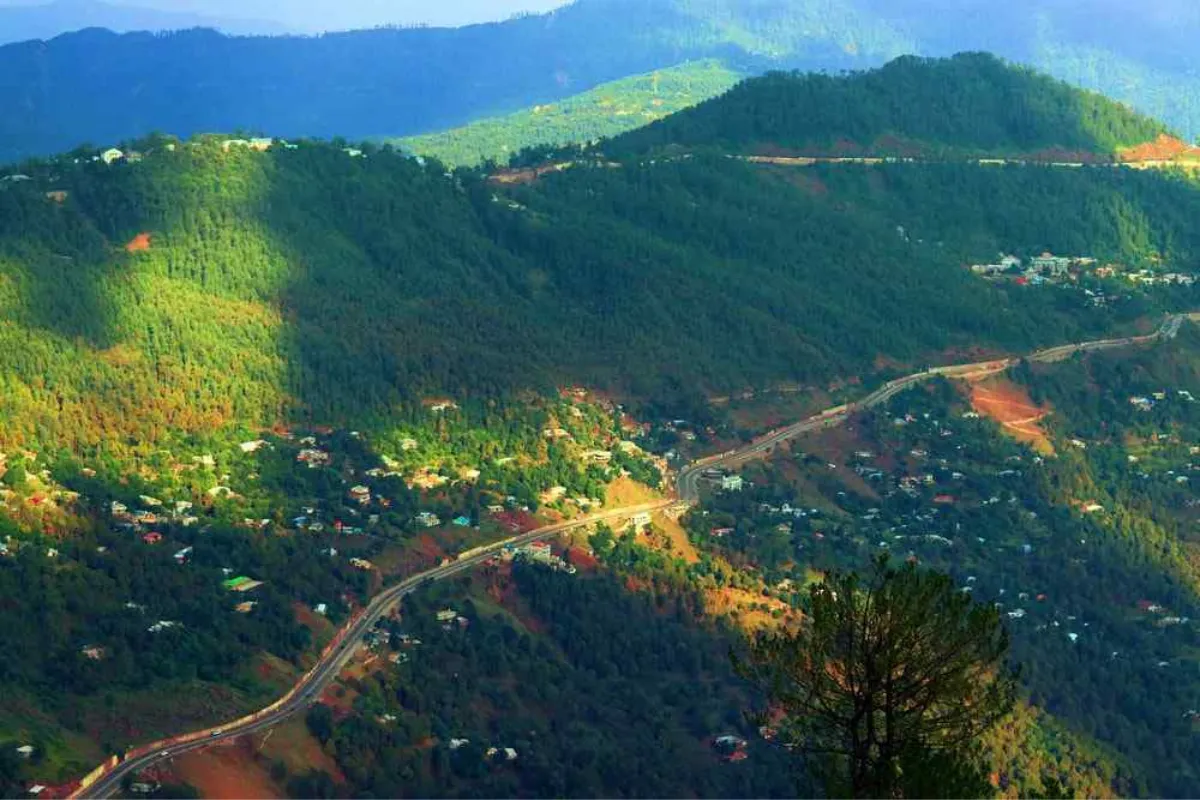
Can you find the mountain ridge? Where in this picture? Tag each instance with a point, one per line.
(43, 22)
(393, 82)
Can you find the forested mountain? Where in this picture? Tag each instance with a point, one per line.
(199, 287)
(19, 23)
(608, 110)
(971, 104)
(205, 283)
(101, 88)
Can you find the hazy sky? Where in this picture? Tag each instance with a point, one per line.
(315, 15)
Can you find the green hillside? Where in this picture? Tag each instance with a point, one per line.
(971, 104)
(218, 362)
(661, 281)
(609, 109)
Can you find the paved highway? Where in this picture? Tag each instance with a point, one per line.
(309, 689)
(688, 483)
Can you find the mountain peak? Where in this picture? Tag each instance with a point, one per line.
(969, 104)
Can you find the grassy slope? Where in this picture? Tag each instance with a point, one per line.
(609, 109)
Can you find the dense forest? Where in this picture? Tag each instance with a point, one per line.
(130, 290)
(970, 104)
(597, 690)
(609, 109)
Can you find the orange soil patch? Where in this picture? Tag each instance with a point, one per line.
(835, 446)
(528, 175)
(627, 492)
(418, 555)
(274, 671)
(1164, 148)
(320, 626)
(677, 537)
(292, 744)
(741, 603)
(581, 559)
(1009, 404)
(227, 773)
(342, 706)
(138, 244)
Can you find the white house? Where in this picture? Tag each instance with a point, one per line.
(732, 483)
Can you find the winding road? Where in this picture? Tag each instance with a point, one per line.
(106, 780)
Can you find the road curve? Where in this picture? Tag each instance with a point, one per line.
(310, 687)
(688, 483)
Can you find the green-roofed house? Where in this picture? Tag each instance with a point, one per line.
(241, 584)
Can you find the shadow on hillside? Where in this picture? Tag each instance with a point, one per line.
(58, 267)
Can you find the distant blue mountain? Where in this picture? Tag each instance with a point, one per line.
(47, 20)
(100, 87)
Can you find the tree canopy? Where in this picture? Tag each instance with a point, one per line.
(892, 679)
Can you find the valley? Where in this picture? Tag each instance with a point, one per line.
(470, 480)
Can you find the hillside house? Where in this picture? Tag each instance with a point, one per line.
(153, 538)
(57, 196)
(1050, 265)
(428, 519)
(462, 522)
(25, 751)
(241, 584)
(447, 615)
(360, 495)
(259, 145)
(111, 156)
(313, 457)
(539, 549)
(640, 521)
(252, 447)
(553, 495)
(508, 753)
(732, 483)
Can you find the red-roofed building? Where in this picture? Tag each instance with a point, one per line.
(152, 538)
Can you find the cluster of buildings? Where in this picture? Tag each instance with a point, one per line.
(1040, 269)
(1142, 403)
